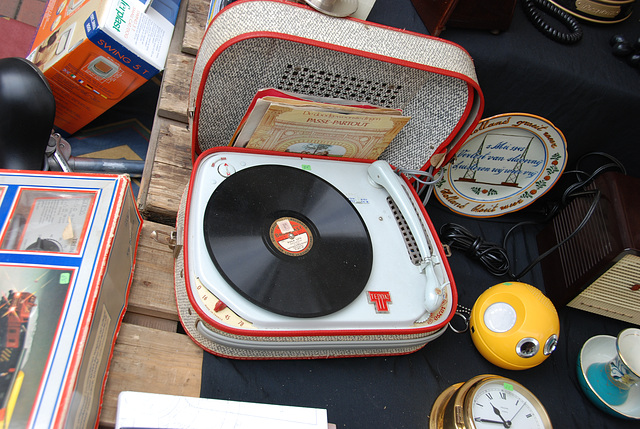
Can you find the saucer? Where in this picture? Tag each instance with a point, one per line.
(599, 349)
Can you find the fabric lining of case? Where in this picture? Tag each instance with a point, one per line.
(436, 103)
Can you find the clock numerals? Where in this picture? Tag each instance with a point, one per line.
(498, 405)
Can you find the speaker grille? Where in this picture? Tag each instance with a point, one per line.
(436, 103)
(325, 83)
(592, 256)
(409, 239)
(589, 246)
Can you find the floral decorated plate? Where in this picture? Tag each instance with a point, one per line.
(508, 162)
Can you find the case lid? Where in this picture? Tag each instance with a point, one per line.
(256, 44)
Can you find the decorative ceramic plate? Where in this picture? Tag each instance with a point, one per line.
(508, 162)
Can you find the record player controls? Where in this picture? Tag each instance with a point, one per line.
(219, 306)
(225, 169)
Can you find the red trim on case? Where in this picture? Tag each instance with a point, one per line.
(125, 304)
(237, 3)
(350, 18)
(274, 357)
(57, 173)
(24, 189)
(263, 333)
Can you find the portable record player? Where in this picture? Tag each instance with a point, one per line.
(290, 256)
(294, 256)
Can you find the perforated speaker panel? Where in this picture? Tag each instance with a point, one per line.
(616, 293)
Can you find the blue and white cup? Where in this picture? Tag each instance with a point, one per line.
(612, 380)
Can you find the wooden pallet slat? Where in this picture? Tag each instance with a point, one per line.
(170, 174)
(196, 20)
(152, 291)
(153, 361)
(173, 101)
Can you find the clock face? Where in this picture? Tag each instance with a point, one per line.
(499, 402)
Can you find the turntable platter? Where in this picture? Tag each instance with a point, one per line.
(288, 241)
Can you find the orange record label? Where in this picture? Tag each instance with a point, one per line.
(291, 236)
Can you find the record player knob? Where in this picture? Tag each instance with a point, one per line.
(225, 169)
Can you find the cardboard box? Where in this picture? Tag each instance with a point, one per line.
(96, 52)
(67, 251)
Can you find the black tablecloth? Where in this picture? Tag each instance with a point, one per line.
(594, 98)
(399, 391)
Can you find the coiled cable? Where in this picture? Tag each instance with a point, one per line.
(494, 256)
(491, 255)
(532, 10)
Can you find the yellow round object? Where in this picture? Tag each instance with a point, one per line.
(514, 325)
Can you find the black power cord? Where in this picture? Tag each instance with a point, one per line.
(494, 256)
(491, 255)
(532, 9)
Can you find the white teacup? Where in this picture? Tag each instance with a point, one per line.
(625, 367)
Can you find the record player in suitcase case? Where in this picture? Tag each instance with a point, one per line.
(289, 256)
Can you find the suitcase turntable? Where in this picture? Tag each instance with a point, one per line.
(296, 286)
(292, 256)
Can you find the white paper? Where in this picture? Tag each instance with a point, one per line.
(150, 410)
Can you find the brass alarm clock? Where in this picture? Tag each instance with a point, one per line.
(488, 401)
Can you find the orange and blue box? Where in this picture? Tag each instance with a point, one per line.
(96, 52)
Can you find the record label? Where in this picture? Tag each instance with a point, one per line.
(291, 236)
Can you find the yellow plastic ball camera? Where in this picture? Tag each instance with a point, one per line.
(514, 325)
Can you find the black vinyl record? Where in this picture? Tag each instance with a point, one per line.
(288, 241)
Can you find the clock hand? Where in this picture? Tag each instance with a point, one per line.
(497, 413)
(514, 416)
(478, 419)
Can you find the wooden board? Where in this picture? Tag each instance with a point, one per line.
(196, 21)
(154, 361)
(174, 48)
(152, 291)
(173, 102)
(150, 322)
(169, 175)
(149, 355)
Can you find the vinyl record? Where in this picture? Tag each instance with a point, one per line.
(288, 241)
